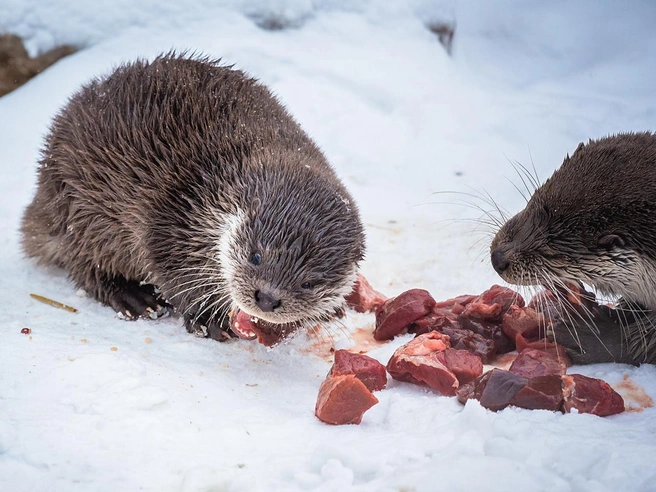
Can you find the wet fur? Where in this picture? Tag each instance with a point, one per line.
(594, 222)
(173, 173)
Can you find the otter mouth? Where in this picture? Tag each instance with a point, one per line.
(250, 328)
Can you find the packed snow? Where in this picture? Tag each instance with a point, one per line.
(91, 402)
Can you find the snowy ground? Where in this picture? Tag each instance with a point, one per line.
(89, 402)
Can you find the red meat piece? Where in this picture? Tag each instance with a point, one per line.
(364, 298)
(432, 321)
(465, 365)
(473, 389)
(463, 339)
(343, 400)
(492, 304)
(489, 330)
(501, 388)
(398, 313)
(494, 389)
(532, 363)
(544, 345)
(371, 372)
(526, 321)
(498, 389)
(589, 395)
(456, 305)
(416, 362)
(540, 393)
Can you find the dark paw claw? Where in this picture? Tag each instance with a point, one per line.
(218, 330)
(133, 300)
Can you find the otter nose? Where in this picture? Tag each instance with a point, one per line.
(499, 261)
(266, 302)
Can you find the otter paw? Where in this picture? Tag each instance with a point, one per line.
(133, 300)
(217, 329)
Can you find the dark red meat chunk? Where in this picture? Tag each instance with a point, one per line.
(589, 395)
(472, 342)
(416, 362)
(532, 363)
(371, 372)
(540, 393)
(473, 389)
(364, 298)
(490, 331)
(432, 321)
(494, 389)
(498, 389)
(460, 338)
(398, 313)
(343, 400)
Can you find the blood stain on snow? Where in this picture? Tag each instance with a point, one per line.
(364, 340)
(635, 397)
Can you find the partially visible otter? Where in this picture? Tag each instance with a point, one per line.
(185, 182)
(594, 221)
(16, 66)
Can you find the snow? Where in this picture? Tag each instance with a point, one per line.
(90, 402)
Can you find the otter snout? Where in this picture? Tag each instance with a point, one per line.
(500, 262)
(266, 302)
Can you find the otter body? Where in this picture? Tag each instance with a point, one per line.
(594, 221)
(183, 183)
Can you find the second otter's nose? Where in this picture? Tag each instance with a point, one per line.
(499, 261)
(266, 302)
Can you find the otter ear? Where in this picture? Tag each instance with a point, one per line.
(610, 241)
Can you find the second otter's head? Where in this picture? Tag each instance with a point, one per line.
(592, 221)
(290, 254)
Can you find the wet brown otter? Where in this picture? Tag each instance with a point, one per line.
(185, 182)
(593, 222)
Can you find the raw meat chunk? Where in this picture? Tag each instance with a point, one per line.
(371, 372)
(398, 313)
(526, 321)
(364, 298)
(343, 400)
(492, 304)
(532, 363)
(465, 365)
(415, 362)
(541, 393)
(589, 395)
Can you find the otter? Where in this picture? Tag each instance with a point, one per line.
(592, 222)
(183, 184)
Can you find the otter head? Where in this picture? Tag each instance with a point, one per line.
(591, 222)
(290, 253)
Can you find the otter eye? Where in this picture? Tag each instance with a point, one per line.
(306, 285)
(255, 258)
(611, 241)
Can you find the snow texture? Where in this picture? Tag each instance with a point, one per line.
(90, 402)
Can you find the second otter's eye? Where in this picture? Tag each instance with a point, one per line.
(306, 285)
(256, 258)
(610, 241)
